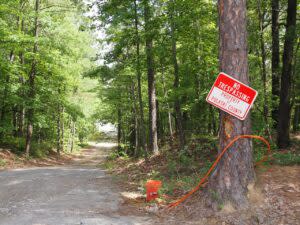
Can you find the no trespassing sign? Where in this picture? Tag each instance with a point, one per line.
(231, 96)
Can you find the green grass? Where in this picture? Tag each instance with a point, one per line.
(2, 162)
(83, 145)
(286, 159)
(109, 165)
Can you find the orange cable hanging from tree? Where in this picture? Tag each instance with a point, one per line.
(203, 180)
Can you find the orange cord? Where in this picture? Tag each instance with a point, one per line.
(203, 180)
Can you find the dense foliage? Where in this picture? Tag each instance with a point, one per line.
(160, 59)
(175, 43)
(45, 46)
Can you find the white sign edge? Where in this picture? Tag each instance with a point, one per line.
(240, 118)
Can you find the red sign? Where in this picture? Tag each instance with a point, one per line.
(231, 96)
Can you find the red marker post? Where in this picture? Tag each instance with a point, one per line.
(231, 96)
(152, 188)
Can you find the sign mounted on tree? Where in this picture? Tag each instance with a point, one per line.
(231, 96)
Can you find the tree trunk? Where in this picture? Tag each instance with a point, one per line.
(31, 81)
(275, 61)
(161, 125)
(177, 105)
(296, 120)
(153, 147)
(261, 18)
(119, 128)
(283, 137)
(295, 89)
(21, 108)
(166, 99)
(21, 115)
(261, 15)
(134, 139)
(142, 130)
(15, 121)
(229, 183)
(160, 130)
(73, 135)
(58, 133)
(70, 133)
(5, 95)
(136, 135)
(62, 123)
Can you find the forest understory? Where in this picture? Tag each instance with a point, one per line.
(273, 200)
(10, 160)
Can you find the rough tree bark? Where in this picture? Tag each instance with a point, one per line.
(177, 105)
(153, 146)
(283, 129)
(229, 183)
(275, 61)
(31, 81)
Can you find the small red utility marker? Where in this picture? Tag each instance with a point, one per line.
(152, 187)
(231, 96)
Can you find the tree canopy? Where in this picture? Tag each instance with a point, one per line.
(45, 48)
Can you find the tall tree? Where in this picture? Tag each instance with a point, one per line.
(139, 77)
(21, 94)
(31, 80)
(5, 95)
(177, 104)
(58, 131)
(167, 103)
(235, 171)
(283, 138)
(31, 70)
(261, 18)
(296, 90)
(275, 60)
(153, 145)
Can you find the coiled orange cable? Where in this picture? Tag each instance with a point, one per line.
(203, 180)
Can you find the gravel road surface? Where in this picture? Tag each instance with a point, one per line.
(76, 194)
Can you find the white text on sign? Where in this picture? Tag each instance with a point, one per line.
(231, 96)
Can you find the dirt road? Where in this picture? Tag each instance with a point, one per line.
(76, 194)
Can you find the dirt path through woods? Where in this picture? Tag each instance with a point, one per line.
(76, 194)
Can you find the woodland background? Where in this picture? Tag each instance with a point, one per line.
(50, 49)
